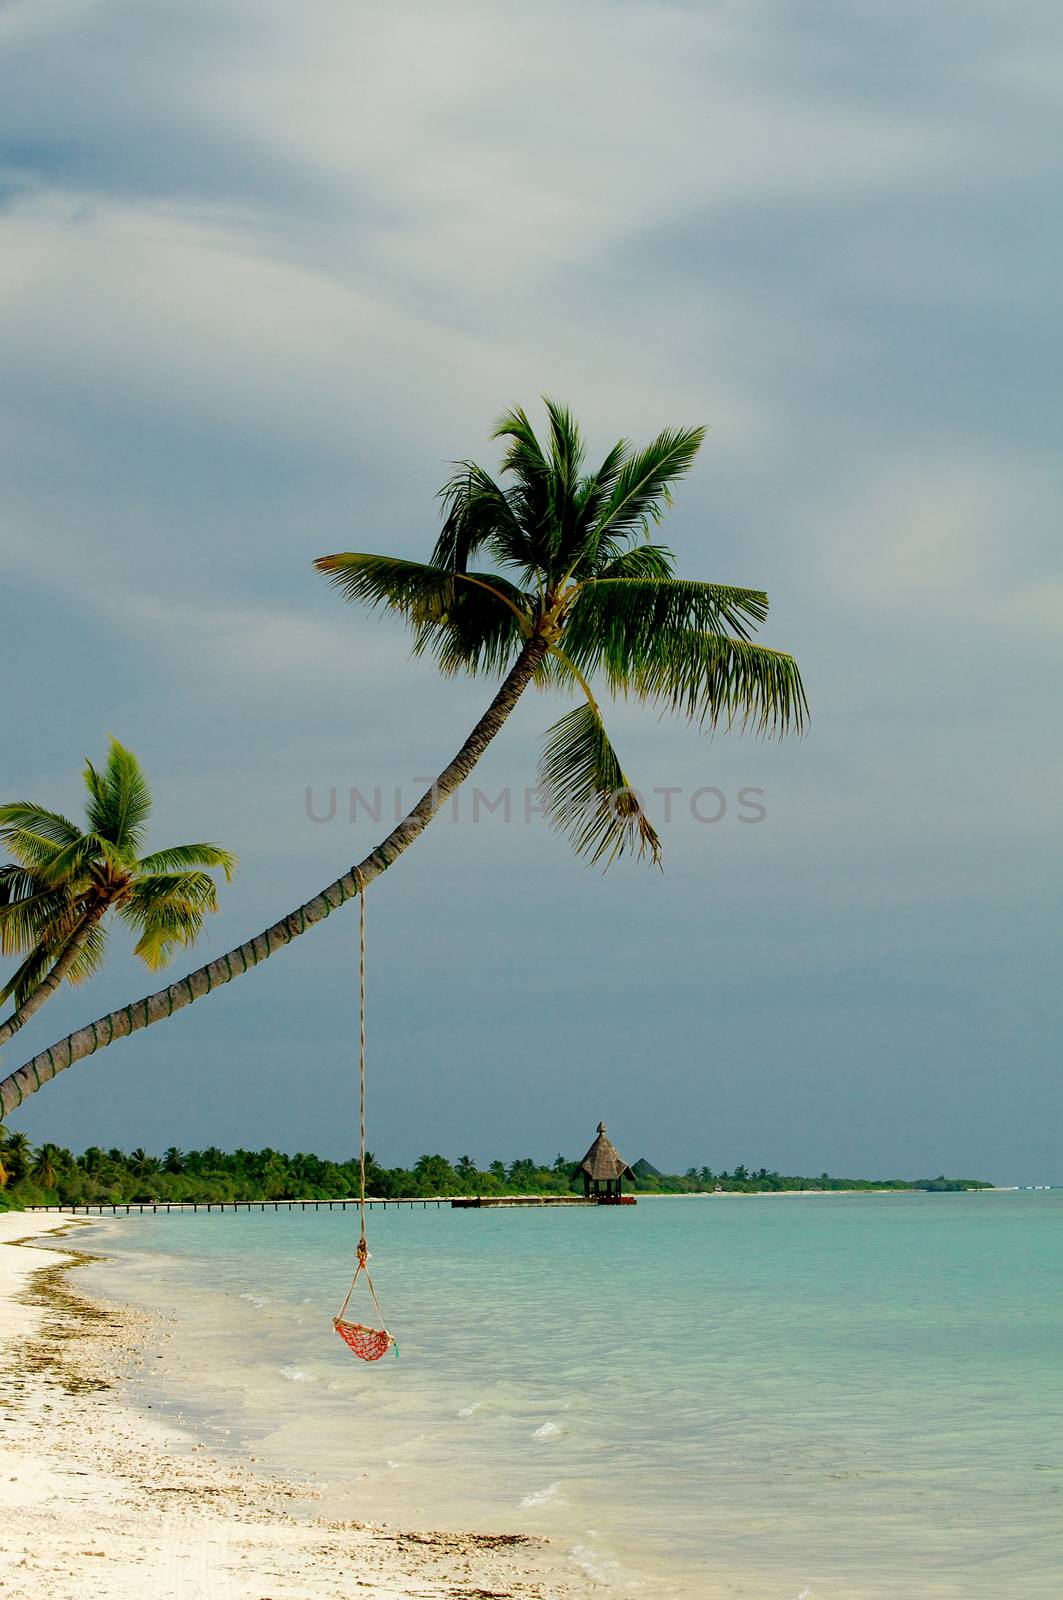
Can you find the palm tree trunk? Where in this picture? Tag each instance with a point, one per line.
(48, 985)
(142, 1013)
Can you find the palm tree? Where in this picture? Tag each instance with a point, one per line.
(141, 1164)
(45, 1169)
(577, 590)
(18, 1156)
(173, 1160)
(62, 883)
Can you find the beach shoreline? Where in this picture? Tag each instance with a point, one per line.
(95, 1496)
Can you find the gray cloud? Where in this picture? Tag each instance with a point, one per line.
(264, 272)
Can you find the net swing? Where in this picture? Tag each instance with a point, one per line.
(369, 1344)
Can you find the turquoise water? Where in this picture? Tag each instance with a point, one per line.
(838, 1397)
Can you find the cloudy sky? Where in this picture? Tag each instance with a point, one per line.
(266, 269)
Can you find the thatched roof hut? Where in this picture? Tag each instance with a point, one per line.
(603, 1167)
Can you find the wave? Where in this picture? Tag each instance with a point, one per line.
(539, 1497)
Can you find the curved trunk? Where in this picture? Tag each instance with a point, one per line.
(142, 1013)
(48, 985)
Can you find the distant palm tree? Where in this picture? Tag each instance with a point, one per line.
(173, 1160)
(63, 881)
(18, 1156)
(576, 590)
(45, 1170)
(142, 1164)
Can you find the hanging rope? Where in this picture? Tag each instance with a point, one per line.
(368, 1343)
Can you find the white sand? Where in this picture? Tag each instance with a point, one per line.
(96, 1499)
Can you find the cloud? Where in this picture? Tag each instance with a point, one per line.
(266, 270)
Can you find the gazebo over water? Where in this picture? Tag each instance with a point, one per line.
(603, 1169)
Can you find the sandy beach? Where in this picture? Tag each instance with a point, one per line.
(97, 1498)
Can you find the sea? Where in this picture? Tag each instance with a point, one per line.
(796, 1397)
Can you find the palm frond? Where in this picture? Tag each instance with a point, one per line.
(31, 850)
(119, 799)
(190, 855)
(477, 514)
(70, 864)
(30, 911)
(28, 976)
(470, 620)
(586, 793)
(49, 948)
(154, 892)
(475, 633)
(641, 492)
(616, 624)
(49, 825)
(164, 928)
(640, 561)
(524, 457)
(90, 956)
(532, 495)
(583, 546)
(712, 680)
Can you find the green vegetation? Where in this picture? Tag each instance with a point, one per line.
(573, 591)
(57, 892)
(50, 1175)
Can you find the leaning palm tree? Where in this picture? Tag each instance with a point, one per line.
(576, 591)
(63, 881)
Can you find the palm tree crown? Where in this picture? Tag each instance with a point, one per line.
(574, 568)
(64, 879)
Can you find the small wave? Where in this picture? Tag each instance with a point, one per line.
(539, 1497)
(467, 1411)
(296, 1375)
(549, 1430)
(255, 1299)
(596, 1566)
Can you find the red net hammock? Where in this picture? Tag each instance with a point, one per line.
(369, 1344)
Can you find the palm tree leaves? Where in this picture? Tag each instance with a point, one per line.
(642, 487)
(477, 514)
(618, 624)
(471, 621)
(119, 800)
(28, 906)
(586, 793)
(22, 816)
(181, 856)
(712, 680)
(167, 908)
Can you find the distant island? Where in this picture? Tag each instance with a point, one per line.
(51, 1175)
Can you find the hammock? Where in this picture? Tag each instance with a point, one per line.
(369, 1344)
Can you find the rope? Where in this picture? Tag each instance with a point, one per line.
(363, 1247)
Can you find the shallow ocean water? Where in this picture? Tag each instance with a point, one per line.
(845, 1397)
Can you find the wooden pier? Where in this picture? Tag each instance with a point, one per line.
(122, 1208)
(458, 1201)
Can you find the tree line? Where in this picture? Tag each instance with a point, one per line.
(49, 1175)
